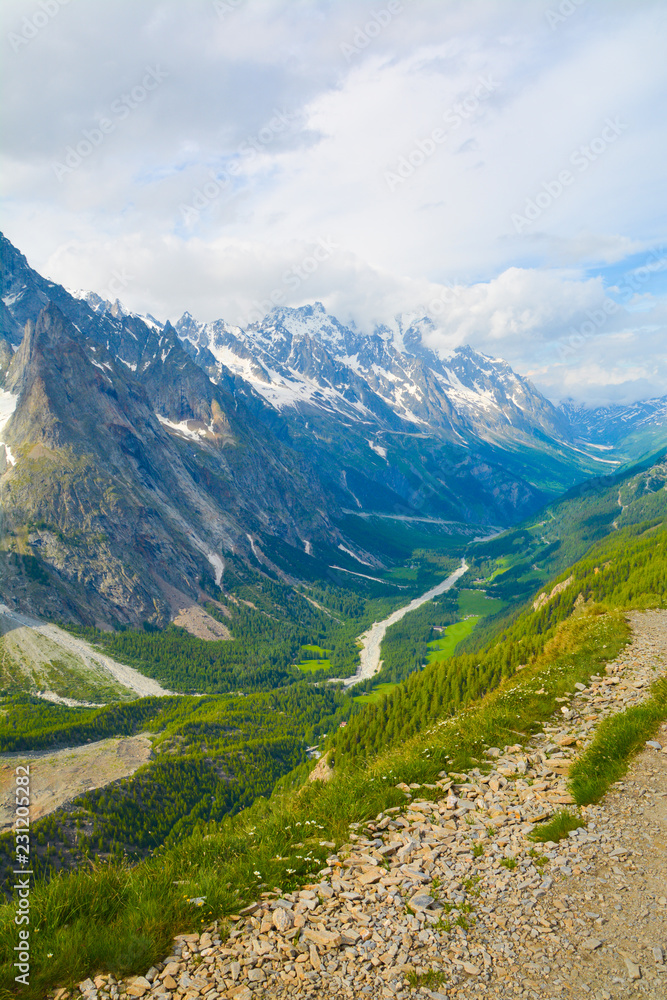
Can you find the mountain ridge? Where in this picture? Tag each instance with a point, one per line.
(190, 466)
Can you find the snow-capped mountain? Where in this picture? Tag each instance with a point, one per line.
(306, 360)
(208, 445)
(631, 428)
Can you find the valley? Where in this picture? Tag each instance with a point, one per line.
(227, 552)
(370, 642)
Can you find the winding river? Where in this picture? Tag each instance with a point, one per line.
(372, 639)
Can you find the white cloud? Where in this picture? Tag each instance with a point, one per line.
(352, 118)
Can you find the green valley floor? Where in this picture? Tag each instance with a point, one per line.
(449, 895)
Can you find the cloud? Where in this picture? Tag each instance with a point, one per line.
(476, 108)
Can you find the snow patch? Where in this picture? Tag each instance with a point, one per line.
(7, 406)
(104, 366)
(218, 565)
(255, 550)
(378, 449)
(181, 427)
(356, 558)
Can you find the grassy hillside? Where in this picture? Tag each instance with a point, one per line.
(517, 562)
(440, 719)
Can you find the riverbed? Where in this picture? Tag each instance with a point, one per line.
(371, 640)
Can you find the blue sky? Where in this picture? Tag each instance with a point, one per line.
(497, 165)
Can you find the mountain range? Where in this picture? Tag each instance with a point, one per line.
(144, 464)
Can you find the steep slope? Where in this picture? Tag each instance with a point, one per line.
(413, 764)
(126, 506)
(464, 437)
(518, 561)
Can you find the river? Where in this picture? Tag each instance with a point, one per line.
(372, 639)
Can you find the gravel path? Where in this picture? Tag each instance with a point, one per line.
(452, 889)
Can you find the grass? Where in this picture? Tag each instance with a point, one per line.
(120, 919)
(375, 695)
(312, 666)
(430, 980)
(474, 605)
(617, 739)
(558, 827)
(473, 602)
(401, 573)
(442, 649)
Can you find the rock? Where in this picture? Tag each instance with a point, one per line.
(142, 982)
(591, 943)
(240, 993)
(247, 911)
(325, 939)
(170, 969)
(86, 986)
(370, 877)
(256, 976)
(470, 969)
(634, 972)
(420, 901)
(285, 903)
(658, 955)
(283, 919)
(654, 744)
(314, 958)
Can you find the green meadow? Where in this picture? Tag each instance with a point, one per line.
(473, 605)
(317, 660)
(375, 695)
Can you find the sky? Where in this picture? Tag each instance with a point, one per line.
(498, 165)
